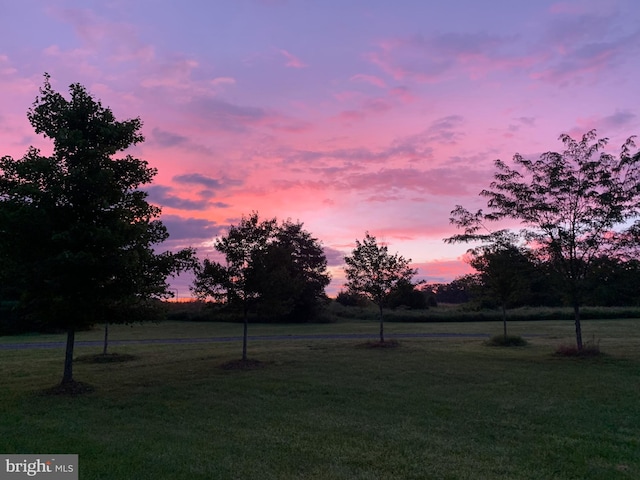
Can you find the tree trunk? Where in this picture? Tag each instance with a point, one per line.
(244, 334)
(106, 338)
(504, 320)
(576, 312)
(67, 376)
(381, 326)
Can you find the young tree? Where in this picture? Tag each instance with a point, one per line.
(233, 282)
(279, 268)
(374, 273)
(80, 231)
(570, 205)
(505, 272)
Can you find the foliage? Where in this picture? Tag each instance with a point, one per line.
(505, 272)
(279, 269)
(374, 273)
(293, 273)
(405, 294)
(459, 290)
(349, 299)
(569, 204)
(79, 231)
(613, 282)
(233, 283)
(459, 313)
(429, 293)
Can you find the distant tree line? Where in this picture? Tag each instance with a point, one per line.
(610, 282)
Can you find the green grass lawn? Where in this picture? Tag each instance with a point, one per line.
(441, 408)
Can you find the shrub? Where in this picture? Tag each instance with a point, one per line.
(590, 349)
(349, 299)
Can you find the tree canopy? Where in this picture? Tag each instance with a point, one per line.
(574, 206)
(270, 267)
(374, 273)
(76, 225)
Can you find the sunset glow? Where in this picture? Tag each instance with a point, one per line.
(348, 116)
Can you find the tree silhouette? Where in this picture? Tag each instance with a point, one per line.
(278, 268)
(373, 272)
(78, 227)
(573, 206)
(506, 271)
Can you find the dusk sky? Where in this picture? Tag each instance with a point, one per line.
(350, 116)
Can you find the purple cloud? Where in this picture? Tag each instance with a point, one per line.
(211, 184)
(168, 139)
(164, 196)
(181, 228)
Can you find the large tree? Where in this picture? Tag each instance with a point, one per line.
(276, 269)
(292, 275)
(573, 205)
(374, 273)
(78, 229)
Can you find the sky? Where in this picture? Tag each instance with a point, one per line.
(350, 116)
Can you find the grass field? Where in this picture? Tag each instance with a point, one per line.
(441, 408)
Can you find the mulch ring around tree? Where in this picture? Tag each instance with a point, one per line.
(71, 389)
(379, 344)
(248, 364)
(105, 358)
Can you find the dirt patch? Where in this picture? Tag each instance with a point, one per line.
(106, 358)
(248, 364)
(587, 351)
(379, 344)
(72, 389)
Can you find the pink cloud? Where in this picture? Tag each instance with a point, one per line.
(292, 60)
(223, 81)
(615, 123)
(370, 79)
(583, 44)
(368, 108)
(215, 114)
(438, 181)
(175, 73)
(391, 183)
(6, 69)
(347, 96)
(566, 7)
(438, 57)
(403, 93)
(119, 39)
(574, 46)
(442, 271)
(579, 64)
